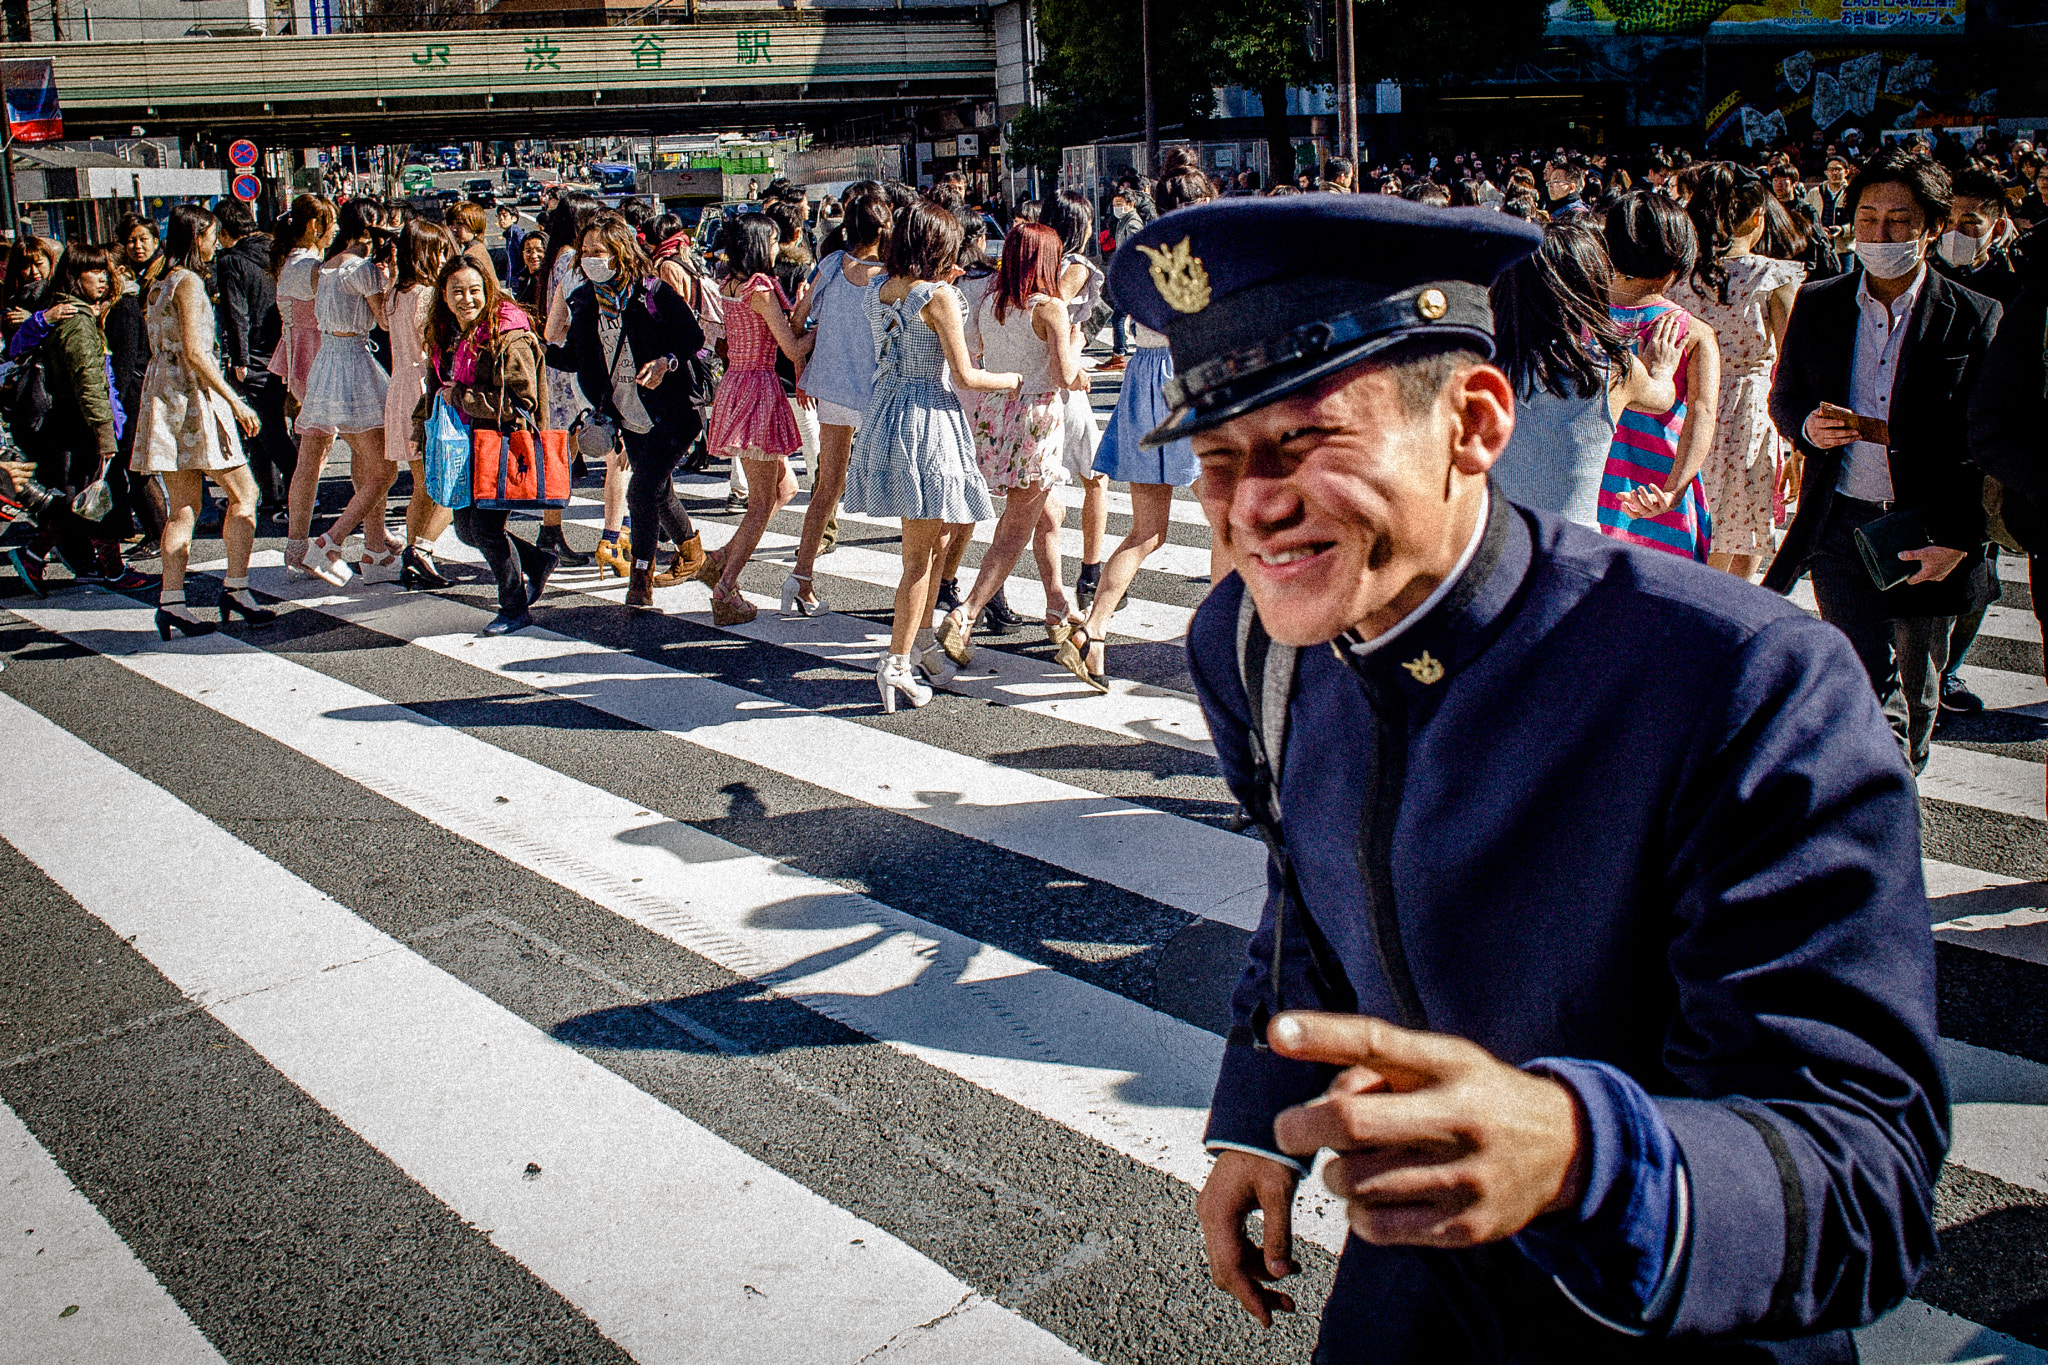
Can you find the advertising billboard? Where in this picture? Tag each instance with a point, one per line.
(1788, 20)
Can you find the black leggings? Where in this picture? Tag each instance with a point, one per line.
(512, 560)
(651, 495)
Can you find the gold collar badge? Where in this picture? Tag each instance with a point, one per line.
(1425, 669)
(1179, 276)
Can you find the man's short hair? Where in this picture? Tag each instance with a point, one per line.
(1337, 168)
(1423, 368)
(1983, 186)
(1564, 166)
(469, 217)
(235, 218)
(1427, 192)
(507, 211)
(1922, 176)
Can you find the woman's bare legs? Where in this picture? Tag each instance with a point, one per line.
(828, 484)
(1094, 517)
(373, 476)
(770, 486)
(1045, 548)
(1023, 509)
(304, 495)
(425, 519)
(238, 521)
(1151, 510)
(1742, 566)
(924, 551)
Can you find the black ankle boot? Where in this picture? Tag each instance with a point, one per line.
(949, 595)
(550, 538)
(1084, 586)
(997, 618)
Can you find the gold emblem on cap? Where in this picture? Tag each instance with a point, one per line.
(1179, 276)
(1432, 304)
(1425, 669)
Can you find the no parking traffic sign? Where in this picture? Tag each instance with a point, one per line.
(243, 154)
(247, 188)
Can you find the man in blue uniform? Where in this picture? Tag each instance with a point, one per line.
(1597, 948)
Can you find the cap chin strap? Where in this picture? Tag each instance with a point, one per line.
(1458, 308)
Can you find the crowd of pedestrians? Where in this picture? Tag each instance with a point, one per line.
(1706, 355)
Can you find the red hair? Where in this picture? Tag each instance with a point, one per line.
(1031, 265)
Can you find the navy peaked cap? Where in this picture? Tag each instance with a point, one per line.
(1259, 298)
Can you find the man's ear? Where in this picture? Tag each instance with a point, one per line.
(1482, 413)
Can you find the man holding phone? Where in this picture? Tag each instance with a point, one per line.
(1872, 389)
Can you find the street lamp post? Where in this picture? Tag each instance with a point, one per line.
(1347, 87)
(1151, 101)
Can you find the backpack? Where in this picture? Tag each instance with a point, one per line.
(25, 401)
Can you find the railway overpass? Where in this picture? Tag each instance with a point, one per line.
(809, 68)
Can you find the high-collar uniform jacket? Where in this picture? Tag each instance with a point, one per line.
(1636, 812)
(1950, 330)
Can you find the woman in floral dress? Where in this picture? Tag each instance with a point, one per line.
(1747, 299)
(1020, 436)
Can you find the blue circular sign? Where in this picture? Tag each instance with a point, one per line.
(243, 153)
(247, 188)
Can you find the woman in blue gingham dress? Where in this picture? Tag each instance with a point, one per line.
(913, 456)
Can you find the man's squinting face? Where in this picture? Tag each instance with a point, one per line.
(1339, 509)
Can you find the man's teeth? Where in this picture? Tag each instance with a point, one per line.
(1287, 556)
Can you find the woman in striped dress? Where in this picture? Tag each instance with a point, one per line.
(1651, 493)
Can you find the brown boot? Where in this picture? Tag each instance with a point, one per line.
(640, 587)
(689, 558)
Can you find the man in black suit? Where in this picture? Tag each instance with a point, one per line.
(1873, 389)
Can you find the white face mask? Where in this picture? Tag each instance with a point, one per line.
(597, 269)
(1889, 260)
(1958, 248)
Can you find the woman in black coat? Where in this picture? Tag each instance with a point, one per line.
(631, 337)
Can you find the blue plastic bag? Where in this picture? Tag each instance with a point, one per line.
(447, 455)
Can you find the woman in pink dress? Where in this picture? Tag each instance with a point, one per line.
(422, 250)
(294, 251)
(751, 419)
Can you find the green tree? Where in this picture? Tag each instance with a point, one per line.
(1262, 45)
(1093, 75)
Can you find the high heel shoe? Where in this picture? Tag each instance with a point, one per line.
(1073, 656)
(615, 557)
(385, 570)
(793, 603)
(712, 569)
(324, 562)
(997, 618)
(416, 569)
(1058, 627)
(955, 637)
(731, 611)
(184, 625)
(232, 606)
(893, 675)
(936, 667)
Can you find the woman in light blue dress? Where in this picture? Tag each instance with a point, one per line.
(913, 456)
(1152, 474)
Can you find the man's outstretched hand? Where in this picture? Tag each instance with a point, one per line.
(1439, 1143)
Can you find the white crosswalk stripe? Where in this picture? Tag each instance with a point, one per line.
(675, 1241)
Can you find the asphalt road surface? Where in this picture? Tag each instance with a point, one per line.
(633, 989)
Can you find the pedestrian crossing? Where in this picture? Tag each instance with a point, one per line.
(641, 992)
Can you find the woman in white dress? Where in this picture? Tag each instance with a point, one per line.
(345, 391)
(187, 429)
